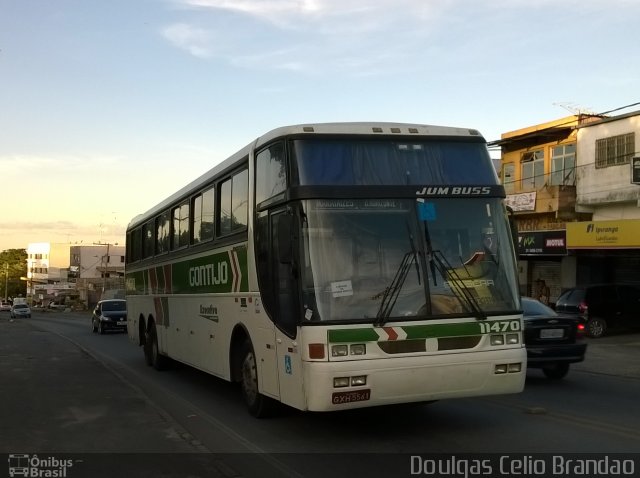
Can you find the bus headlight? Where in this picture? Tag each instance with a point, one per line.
(497, 340)
(359, 380)
(358, 349)
(339, 382)
(513, 339)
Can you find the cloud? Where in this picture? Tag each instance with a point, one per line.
(307, 36)
(196, 41)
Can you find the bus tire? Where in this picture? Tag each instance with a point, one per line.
(258, 405)
(152, 354)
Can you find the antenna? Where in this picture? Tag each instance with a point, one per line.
(575, 108)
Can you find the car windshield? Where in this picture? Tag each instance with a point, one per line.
(20, 306)
(381, 258)
(115, 306)
(574, 296)
(533, 308)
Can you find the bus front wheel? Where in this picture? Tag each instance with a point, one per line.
(258, 405)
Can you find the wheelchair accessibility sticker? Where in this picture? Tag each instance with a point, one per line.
(287, 364)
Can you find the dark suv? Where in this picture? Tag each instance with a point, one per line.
(603, 306)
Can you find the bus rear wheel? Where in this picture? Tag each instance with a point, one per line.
(258, 405)
(152, 354)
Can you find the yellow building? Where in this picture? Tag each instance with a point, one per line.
(538, 171)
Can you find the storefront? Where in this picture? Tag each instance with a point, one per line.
(541, 256)
(606, 251)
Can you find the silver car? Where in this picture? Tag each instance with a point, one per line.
(20, 310)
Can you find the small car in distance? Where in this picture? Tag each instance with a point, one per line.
(5, 306)
(109, 314)
(603, 306)
(553, 341)
(20, 310)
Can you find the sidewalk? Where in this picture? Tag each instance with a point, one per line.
(57, 399)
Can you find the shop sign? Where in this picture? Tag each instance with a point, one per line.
(542, 243)
(522, 201)
(604, 234)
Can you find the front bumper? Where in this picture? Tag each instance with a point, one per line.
(112, 324)
(541, 355)
(414, 379)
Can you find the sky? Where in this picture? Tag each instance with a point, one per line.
(108, 107)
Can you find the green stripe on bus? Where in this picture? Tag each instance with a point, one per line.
(225, 271)
(352, 335)
(425, 331)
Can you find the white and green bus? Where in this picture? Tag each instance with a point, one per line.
(335, 266)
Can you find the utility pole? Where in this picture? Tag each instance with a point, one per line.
(6, 280)
(105, 270)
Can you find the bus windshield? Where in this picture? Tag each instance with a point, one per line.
(331, 162)
(380, 259)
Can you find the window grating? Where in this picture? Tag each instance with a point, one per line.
(615, 150)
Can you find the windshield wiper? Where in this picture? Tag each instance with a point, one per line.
(460, 290)
(391, 293)
(414, 252)
(438, 261)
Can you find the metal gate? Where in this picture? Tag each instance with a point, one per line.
(550, 272)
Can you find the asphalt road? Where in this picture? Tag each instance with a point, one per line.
(187, 412)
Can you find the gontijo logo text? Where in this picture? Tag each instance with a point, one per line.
(209, 274)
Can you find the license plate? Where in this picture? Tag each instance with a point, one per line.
(124, 322)
(339, 398)
(551, 333)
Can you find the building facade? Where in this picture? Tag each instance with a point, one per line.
(77, 275)
(47, 272)
(565, 181)
(607, 247)
(96, 270)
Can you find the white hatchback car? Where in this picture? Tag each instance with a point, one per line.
(20, 310)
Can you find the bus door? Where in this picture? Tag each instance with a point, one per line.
(285, 274)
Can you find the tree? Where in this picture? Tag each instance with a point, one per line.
(13, 266)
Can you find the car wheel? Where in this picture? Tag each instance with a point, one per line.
(557, 371)
(258, 405)
(94, 329)
(152, 353)
(100, 328)
(596, 327)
